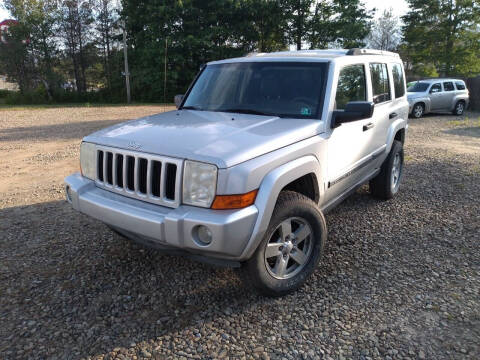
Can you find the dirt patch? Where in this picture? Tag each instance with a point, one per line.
(399, 279)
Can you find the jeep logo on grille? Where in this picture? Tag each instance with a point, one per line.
(134, 145)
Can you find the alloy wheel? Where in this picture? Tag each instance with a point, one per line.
(289, 248)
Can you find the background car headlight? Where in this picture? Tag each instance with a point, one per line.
(199, 183)
(87, 160)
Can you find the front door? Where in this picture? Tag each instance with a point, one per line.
(348, 144)
(436, 97)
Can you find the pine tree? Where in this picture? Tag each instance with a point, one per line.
(445, 34)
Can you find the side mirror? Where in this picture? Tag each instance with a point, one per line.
(354, 110)
(178, 100)
(434, 90)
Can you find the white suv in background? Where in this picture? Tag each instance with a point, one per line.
(259, 148)
(437, 95)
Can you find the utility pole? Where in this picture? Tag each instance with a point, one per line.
(125, 56)
(165, 76)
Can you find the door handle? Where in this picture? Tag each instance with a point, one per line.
(392, 115)
(368, 126)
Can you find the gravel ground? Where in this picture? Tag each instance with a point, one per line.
(399, 279)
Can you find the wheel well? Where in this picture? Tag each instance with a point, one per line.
(400, 135)
(306, 185)
(421, 103)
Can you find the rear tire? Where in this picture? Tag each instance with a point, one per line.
(418, 110)
(386, 184)
(459, 108)
(291, 248)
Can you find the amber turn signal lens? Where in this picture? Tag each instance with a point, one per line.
(224, 202)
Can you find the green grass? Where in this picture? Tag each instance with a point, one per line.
(74, 105)
(464, 122)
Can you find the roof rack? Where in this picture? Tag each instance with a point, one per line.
(358, 51)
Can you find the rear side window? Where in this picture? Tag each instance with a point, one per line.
(448, 86)
(380, 83)
(351, 85)
(460, 86)
(436, 88)
(398, 81)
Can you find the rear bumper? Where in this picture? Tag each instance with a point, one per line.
(167, 227)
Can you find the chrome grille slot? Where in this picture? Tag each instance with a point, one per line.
(109, 168)
(119, 170)
(130, 173)
(100, 165)
(152, 178)
(142, 175)
(155, 177)
(170, 181)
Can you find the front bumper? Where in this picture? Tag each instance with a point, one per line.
(171, 228)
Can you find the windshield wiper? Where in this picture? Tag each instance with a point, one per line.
(247, 111)
(191, 108)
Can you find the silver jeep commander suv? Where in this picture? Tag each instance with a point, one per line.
(259, 148)
(437, 95)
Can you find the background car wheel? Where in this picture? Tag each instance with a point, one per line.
(291, 248)
(418, 110)
(385, 185)
(459, 108)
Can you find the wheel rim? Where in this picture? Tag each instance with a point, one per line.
(289, 248)
(459, 108)
(418, 111)
(396, 171)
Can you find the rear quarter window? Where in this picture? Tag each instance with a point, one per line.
(398, 80)
(460, 85)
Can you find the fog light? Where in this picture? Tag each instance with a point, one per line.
(203, 235)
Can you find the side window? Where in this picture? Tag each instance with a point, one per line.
(398, 81)
(380, 83)
(448, 86)
(460, 85)
(351, 85)
(436, 88)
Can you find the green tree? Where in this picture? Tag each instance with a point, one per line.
(352, 24)
(75, 20)
(35, 44)
(443, 33)
(299, 16)
(339, 23)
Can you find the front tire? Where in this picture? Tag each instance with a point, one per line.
(290, 249)
(386, 184)
(418, 110)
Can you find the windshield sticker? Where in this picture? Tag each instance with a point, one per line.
(306, 111)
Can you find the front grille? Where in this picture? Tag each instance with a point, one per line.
(146, 177)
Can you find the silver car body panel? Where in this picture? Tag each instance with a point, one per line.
(251, 152)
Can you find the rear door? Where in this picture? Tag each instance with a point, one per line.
(448, 95)
(382, 97)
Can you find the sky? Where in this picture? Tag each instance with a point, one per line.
(399, 7)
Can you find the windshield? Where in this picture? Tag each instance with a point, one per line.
(418, 87)
(286, 89)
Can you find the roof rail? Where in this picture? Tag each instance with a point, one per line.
(358, 51)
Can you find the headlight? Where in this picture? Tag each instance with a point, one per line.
(199, 183)
(87, 160)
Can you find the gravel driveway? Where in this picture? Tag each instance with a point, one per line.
(400, 279)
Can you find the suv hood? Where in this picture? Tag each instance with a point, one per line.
(224, 139)
(413, 95)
